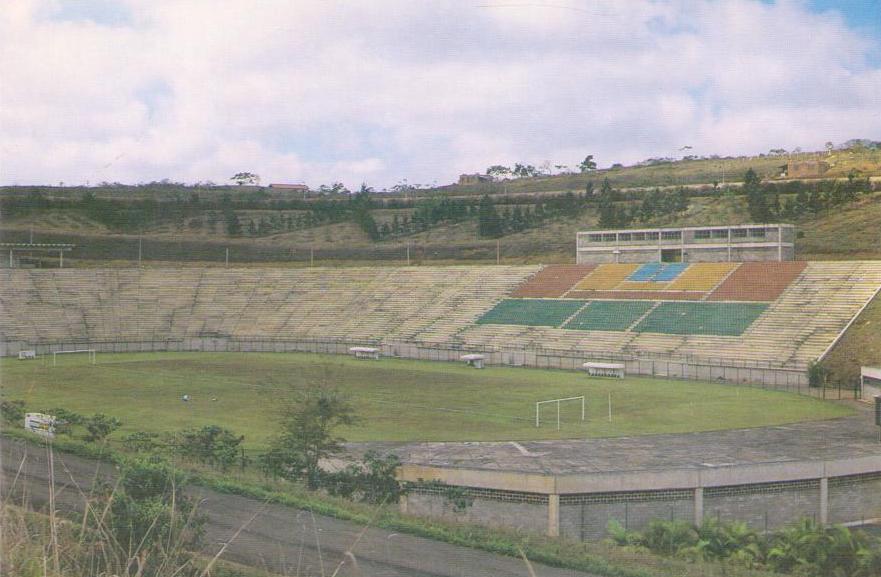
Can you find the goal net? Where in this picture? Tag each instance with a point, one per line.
(89, 353)
(555, 403)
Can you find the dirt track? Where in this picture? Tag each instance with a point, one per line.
(280, 539)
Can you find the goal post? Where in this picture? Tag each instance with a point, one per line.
(91, 352)
(558, 401)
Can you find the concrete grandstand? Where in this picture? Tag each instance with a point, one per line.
(772, 316)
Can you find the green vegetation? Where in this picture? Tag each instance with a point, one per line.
(805, 549)
(26, 535)
(396, 400)
(687, 318)
(141, 526)
(860, 346)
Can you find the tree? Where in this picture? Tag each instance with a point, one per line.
(308, 435)
(99, 426)
(497, 170)
(241, 178)
(608, 212)
(233, 224)
(524, 170)
(588, 164)
(756, 199)
(489, 224)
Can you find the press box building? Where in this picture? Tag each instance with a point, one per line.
(741, 243)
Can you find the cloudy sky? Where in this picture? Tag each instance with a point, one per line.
(382, 91)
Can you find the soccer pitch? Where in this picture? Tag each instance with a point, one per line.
(397, 400)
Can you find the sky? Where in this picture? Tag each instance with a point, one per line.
(388, 91)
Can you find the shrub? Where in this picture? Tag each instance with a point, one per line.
(141, 442)
(817, 373)
(12, 411)
(65, 420)
(669, 537)
(212, 445)
(372, 481)
(100, 426)
(148, 510)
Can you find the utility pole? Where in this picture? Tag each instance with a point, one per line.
(498, 251)
(227, 257)
(139, 251)
(408, 253)
(311, 257)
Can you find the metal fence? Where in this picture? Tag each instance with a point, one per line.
(719, 370)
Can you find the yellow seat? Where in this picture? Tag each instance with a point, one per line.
(702, 276)
(606, 276)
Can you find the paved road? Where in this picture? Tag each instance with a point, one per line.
(280, 539)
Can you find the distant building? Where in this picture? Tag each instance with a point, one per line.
(748, 242)
(466, 179)
(291, 187)
(806, 168)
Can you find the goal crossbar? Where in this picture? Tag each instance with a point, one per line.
(558, 401)
(92, 354)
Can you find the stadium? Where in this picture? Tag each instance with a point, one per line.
(715, 415)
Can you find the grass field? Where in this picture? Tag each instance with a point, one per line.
(398, 400)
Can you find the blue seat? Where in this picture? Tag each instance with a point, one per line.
(670, 271)
(646, 272)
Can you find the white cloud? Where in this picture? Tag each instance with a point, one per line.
(381, 91)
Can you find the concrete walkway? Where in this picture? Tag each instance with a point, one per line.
(849, 437)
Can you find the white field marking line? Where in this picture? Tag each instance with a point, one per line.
(521, 448)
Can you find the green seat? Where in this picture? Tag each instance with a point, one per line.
(608, 315)
(701, 318)
(531, 312)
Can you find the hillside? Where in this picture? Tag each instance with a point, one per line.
(845, 232)
(860, 346)
(693, 172)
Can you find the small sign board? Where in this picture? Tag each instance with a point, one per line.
(40, 424)
(22, 355)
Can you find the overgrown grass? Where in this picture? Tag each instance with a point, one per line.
(397, 400)
(860, 346)
(598, 558)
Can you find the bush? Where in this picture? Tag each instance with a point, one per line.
(100, 426)
(12, 411)
(372, 481)
(211, 445)
(149, 511)
(65, 420)
(141, 442)
(805, 549)
(817, 374)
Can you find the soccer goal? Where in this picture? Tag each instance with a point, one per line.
(558, 401)
(90, 352)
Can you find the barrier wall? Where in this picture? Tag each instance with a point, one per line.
(765, 496)
(688, 368)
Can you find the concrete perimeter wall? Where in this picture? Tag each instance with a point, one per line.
(676, 368)
(766, 496)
